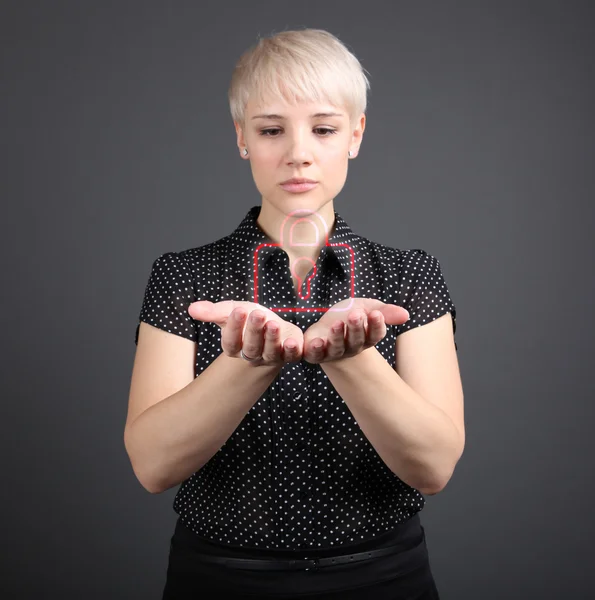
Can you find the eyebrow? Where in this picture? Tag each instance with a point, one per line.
(314, 116)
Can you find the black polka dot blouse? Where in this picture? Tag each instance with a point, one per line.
(298, 472)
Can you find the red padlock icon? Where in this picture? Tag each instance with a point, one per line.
(307, 283)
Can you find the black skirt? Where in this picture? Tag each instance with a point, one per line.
(404, 574)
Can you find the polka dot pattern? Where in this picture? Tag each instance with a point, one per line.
(298, 472)
(168, 294)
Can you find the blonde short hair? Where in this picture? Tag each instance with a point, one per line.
(309, 65)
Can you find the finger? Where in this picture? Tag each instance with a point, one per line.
(376, 328)
(356, 333)
(314, 351)
(291, 350)
(394, 314)
(253, 342)
(233, 332)
(203, 310)
(336, 341)
(272, 351)
(218, 312)
(212, 312)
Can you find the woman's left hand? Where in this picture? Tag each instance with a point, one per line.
(360, 324)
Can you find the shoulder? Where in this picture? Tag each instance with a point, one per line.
(198, 257)
(416, 261)
(419, 271)
(398, 261)
(394, 252)
(411, 272)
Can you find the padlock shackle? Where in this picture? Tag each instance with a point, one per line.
(309, 212)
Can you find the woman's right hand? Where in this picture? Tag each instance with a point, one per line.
(270, 337)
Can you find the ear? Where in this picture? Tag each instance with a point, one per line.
(241, 142)
(358, 134)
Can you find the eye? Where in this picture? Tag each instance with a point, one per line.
(326, 132)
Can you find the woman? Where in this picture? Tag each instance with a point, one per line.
(282, 375)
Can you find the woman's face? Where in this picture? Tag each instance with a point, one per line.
(297, 143)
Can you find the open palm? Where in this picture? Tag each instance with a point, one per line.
(349, 327)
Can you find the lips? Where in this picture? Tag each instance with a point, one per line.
(298, 180)
(299, 187)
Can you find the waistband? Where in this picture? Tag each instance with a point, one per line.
(403, 537)
(417, 553)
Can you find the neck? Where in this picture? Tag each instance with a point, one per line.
(308, 229)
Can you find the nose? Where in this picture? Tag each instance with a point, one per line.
(298, 152)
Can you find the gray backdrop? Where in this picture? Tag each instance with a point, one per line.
(118, 145)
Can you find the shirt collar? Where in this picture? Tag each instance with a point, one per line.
(248, 236)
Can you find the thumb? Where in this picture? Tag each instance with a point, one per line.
(211, 312)
(393, 314)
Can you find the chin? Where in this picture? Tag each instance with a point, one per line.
(286, 202)
(313, 204)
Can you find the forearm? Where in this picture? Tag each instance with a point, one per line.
(416, 440)
(174, 438)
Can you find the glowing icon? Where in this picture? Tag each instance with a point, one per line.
(304, 287)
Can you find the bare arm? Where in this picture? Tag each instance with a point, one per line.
(175, 437)
(177, 422)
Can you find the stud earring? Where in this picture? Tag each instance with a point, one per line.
(350, 154)
(245, 152)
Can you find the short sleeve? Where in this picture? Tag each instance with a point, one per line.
(168, 294)
(423, 291)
